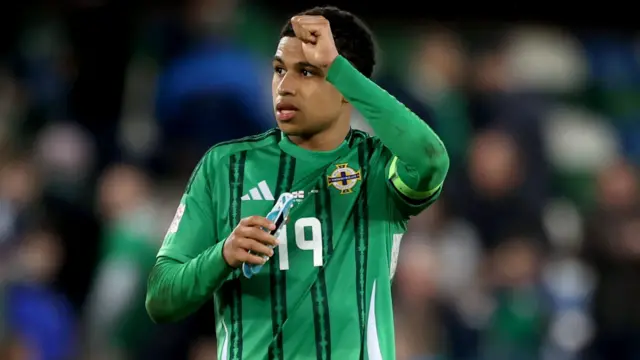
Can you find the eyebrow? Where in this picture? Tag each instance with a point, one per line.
(302, 64)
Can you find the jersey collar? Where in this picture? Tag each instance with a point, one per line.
(287, 146)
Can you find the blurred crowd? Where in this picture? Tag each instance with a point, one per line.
(531, 253)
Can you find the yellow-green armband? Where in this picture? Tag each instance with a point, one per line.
(404, 189)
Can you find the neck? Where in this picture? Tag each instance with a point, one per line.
(325, 140)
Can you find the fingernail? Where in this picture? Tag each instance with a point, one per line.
(272, 226)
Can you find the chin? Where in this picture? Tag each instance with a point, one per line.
(289, 128)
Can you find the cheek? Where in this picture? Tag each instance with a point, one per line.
(274, 89)
(336, 97)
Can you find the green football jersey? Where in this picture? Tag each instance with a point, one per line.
(326, 292)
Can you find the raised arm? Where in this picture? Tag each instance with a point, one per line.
(420, 162)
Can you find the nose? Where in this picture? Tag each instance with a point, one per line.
(287, 85)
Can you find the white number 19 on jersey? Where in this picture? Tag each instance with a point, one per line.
(313, 243)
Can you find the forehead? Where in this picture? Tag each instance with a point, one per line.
(290, 50)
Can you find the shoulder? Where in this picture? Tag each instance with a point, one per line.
(225, 149)
(217, 156)
(362, 139)
(370, 150)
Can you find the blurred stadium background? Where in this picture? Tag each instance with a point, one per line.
(532, 253)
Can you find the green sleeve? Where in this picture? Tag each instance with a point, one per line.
(176, 290)
(419, 164)
(190, 265)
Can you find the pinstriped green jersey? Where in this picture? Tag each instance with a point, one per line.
(326, 292)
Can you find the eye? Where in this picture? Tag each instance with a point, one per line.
(306, 73)
(278, 70)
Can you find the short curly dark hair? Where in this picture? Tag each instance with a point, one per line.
(353, 38)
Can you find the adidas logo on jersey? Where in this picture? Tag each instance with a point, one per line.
(261, 192)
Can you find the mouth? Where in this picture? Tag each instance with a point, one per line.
(285, 112)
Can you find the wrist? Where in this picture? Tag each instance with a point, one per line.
(332, 59)
(226, 258)
(337, 66)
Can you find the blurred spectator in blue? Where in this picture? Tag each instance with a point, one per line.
(38, 314)
(212, 90)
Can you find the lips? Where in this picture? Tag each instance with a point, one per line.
(285, 111)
